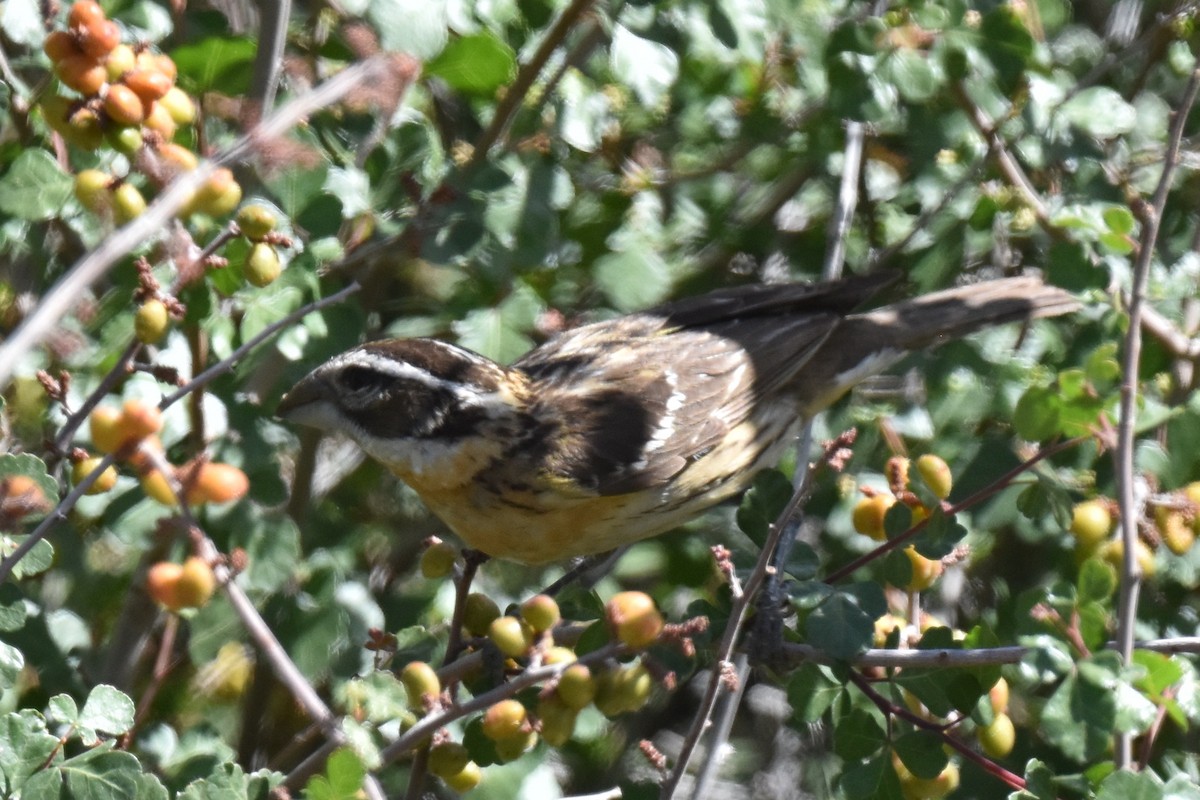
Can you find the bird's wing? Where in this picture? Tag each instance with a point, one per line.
(634, 407)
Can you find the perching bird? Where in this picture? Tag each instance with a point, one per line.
(619, 430)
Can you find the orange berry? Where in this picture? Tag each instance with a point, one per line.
(157, 62)
(177, 158)
(123, 106)
(84, 14)
(159, 121)
(149, 85)
(505, 720)
(106, 480)
(162, 583)
(139, 419)
(210, 482)
(99, 38)
(998, 695)
(81, 73)
(634, 619)
(59, 45)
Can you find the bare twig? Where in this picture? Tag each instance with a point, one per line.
(1151, 217)
(272, 37)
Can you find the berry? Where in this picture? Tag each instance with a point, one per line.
(196, 583)
(1176, 533)
(576, 686)
(83, 129)
(217, 196)
(128, 203)
(868, 515)
(148, 85)
(210, 482)
(262, 265)
(99, 39)
(997, 739)
(924, 570)
(60, 45)
(151, 321)
(179, 106)
(177, 158)
(1091, 523)
(623, 689)
(505, 720)
(634, 619)
(107, 479)
(512, 749)
(119, 61)
(466, 780)
(162, 580)
(421, 683)
(448, 758)
(84, 14)
(914, 788)
(82, 73)
(159, 121)
(558, 655)
(91, 190)
(998, 694)
(557, 720)
(511, 636)
(256, 221)
(105, 426)
(935, 473)
(125, 139)
(541, 613)
(438, 560)
(478, 613)
(157, 486)
(139, 419)
(1114, 553)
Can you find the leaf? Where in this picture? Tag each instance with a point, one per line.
(344, 773)
(858, 735)
(811, 690)
(222, 63)
(25, 746)
(634, 277)
(107, 710)
(871, 780)
(1126, 785)
(351, 187)
(35, 187)
(763, 503)
(922, 753)
(841, 626)
(478, 64)
(647, 67)
(415, 27)
(1096, 581)
(1079, 719)
(1101, 112)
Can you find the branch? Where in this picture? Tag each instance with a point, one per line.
(88, 270)
(1151, 218)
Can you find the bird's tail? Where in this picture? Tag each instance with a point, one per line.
(869, 342)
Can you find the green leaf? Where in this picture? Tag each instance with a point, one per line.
(1101, 112)
(1038, 414)
(108, 710)
(344, 774)
(647, 67)
(916, 76)
(35, 187)
(222, 63)
(478, 64)
(858, 735)
(415, 27)
(871, 780)
(634, 277)
(25, 746)
(763, 503)
(13, 613)
(351, 187)
(811, 690)
(99, 774)
(1126, 785)
(1006, 40)
(1096, 581)
(844, 624)
(1159, 671)
(1079, 719)
(922, 753)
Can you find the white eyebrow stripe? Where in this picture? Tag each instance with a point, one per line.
(403, 370)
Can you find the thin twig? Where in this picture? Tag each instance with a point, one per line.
(1151, 218)
(272, 37)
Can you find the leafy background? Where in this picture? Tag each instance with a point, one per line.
(555, 163)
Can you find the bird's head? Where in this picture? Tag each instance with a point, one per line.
(416, 405)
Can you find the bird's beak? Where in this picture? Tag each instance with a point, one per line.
(306, 395)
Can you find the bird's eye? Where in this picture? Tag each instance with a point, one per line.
(356, 379)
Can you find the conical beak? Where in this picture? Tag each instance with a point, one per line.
(303, 400)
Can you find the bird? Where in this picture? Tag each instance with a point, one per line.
(622, 429)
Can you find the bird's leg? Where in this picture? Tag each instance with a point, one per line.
(587, 571)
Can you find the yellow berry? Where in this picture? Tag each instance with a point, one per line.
(557, 720)
(1091, 523)
(91, 189)
(256, 221)
(179, 106)
(505, 720)
(196, 583)
(998, 694)
(448, 758)
(936, 475)
(576, 686)
(128, 203)
(151, 321)
(924, 570)
(262, 265)
(997, 739)
(868, 515)
(478, 613)
(1176, 533)
(1114, 553)
(438, 560)
(466, 780)
(106, 480)
(421, 683)
(541, 612)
